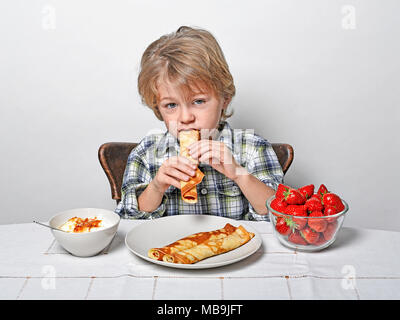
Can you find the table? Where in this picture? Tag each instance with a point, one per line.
(361, 264)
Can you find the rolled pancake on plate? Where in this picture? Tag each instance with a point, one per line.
(191, 241)
(211, 247)
(188, 188)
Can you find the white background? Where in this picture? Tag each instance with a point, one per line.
(323, 76)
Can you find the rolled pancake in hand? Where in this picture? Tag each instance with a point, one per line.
(191, 241)
(188, 188)
(211, 247)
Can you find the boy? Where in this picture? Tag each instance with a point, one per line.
(185, 80)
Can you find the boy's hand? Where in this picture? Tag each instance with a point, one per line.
(217, 155)
(172, 171)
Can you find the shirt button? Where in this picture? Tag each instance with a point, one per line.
(203, 191)
(235, 188)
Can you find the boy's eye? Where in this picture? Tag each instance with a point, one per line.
(170, 105)
(199, 101)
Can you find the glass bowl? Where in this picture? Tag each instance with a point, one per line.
(302, 235)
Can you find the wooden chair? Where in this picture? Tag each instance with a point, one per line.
(114, 155)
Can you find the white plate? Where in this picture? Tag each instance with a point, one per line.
(163, 231)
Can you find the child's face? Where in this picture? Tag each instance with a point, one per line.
(193, 110)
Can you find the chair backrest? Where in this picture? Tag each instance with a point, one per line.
(114, 155)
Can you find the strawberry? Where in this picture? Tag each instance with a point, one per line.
(316, 196)
(313, 204)
(309, 235)
(330, 230)
(278, 205)
(284, 226)
(281, 189)
(300, 222)
(296, 238)
(322, 190)
(292, 208)
(321, 240)
(333, 200)
(300, 211)
(293, 196)
(318, 225)
(307, 191)
(330, 211)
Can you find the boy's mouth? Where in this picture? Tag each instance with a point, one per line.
(187, 129)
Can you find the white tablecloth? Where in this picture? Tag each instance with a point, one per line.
(361, 264)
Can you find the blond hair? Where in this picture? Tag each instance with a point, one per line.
(187, 57)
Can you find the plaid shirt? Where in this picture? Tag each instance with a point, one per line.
(217, 195)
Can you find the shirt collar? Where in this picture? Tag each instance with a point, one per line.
(169, 144)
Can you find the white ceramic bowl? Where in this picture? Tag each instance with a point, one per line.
(85, 244)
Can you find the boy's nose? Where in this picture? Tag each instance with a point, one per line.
(186, 115)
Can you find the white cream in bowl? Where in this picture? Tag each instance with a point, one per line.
(80, 225)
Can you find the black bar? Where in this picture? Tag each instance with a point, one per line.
(199, 309)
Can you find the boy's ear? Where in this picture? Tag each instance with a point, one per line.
(227, 100)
